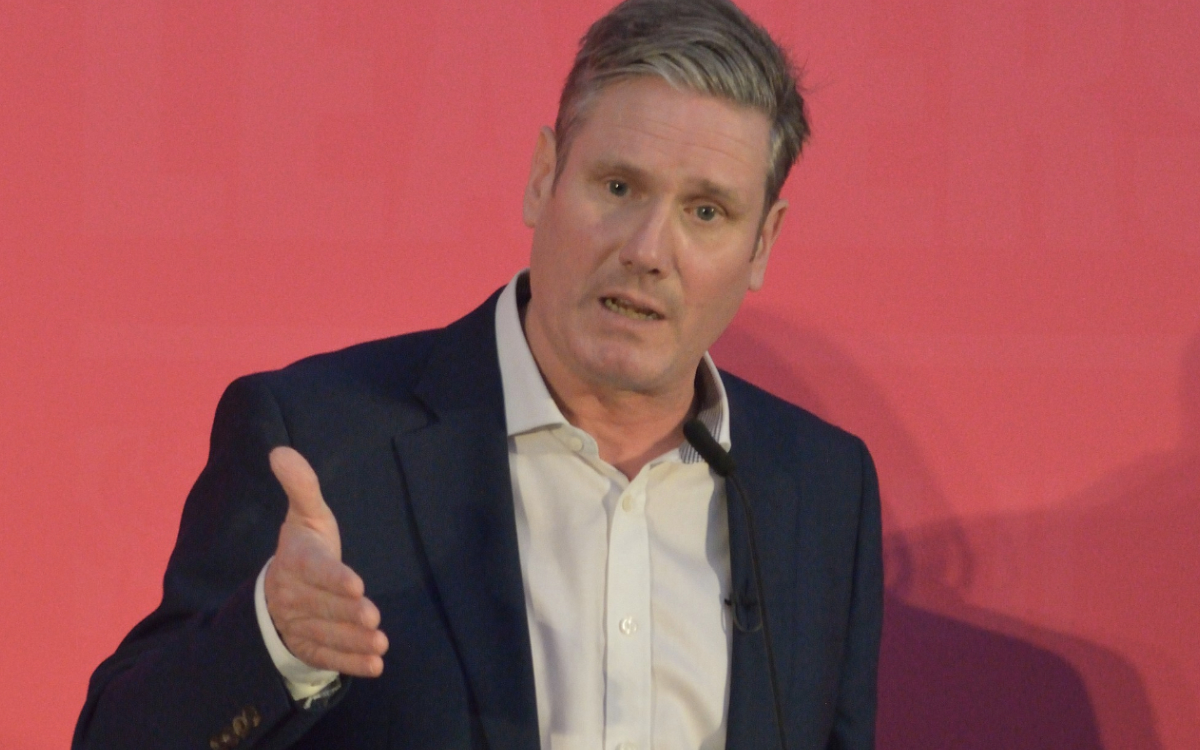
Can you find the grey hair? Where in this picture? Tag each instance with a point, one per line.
(708, 46)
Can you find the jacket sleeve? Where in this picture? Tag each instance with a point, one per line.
(854, 723)
(195, 673)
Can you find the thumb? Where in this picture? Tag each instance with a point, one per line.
(300, 483)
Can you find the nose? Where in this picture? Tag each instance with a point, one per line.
(650, 248)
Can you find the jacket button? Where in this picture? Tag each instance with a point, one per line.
(251, 714)
(241, 725)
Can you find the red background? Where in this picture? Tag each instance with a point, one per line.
(990, 271)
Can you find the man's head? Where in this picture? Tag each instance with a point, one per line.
(707, 46)
(655, 203)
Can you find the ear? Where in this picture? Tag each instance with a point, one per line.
(767, 235)
(541, 177)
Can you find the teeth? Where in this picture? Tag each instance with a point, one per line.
(629, 311)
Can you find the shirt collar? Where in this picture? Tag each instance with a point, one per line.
(527, 402)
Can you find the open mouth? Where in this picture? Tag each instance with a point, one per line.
(621, 307)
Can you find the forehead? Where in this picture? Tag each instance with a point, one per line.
(677, 132)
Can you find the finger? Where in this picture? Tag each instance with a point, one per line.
(307, 602)
(308, 635)
(300, 483)
(338, 579)
(355, 665)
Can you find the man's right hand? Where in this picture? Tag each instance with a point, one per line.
(316, 602)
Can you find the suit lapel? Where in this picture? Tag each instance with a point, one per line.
(751, 720)
(457, 475)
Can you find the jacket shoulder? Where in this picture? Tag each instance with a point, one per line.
(384, 364)
(386, 368)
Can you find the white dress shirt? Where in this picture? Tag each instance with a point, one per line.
(624, 577)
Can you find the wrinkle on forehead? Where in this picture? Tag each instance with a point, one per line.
(663, 134)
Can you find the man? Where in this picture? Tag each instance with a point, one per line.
(511, 499)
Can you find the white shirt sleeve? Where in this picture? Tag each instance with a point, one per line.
(302, 681)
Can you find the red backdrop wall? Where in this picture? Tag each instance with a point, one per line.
(990, 271)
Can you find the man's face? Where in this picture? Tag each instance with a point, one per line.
(645, 247)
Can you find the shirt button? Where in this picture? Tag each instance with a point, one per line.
(627, 502)
(628, 627)
(576, 443)
(627, 746)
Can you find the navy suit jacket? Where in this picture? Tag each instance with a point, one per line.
(408, 438)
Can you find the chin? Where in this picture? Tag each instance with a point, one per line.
(641, 366)
(637, 377)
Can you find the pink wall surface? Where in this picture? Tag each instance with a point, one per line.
(990, 271)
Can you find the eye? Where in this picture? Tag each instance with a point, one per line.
(618, 188)
(707, 213)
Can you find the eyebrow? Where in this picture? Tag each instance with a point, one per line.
(720, 193)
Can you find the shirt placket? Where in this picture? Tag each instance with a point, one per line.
(628, 708)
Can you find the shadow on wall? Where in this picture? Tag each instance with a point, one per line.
(1114, 557)
(952, 674)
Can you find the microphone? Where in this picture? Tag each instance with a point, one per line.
(723, 464)
(708, 447)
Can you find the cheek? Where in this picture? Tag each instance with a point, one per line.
(720, 274)
(559, 272)
(551, 246)
(718, 300)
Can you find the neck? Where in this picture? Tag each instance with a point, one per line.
(630, 429)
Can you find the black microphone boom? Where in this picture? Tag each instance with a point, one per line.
(708, 447)
(722, 463)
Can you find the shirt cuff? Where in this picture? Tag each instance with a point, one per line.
(302, 681)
